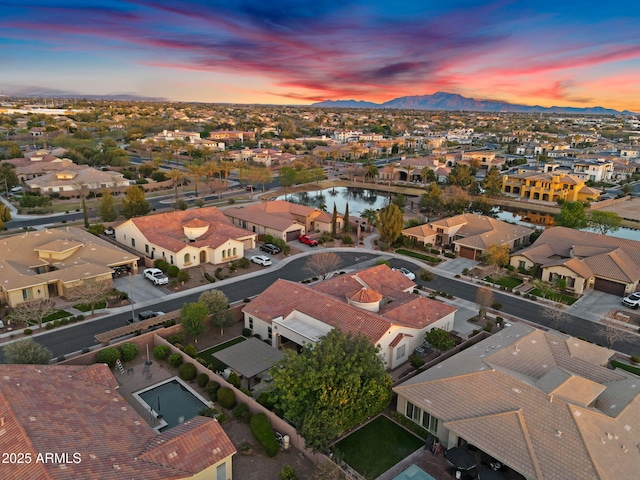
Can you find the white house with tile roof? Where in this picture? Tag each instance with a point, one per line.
(375, 302)
(542, 403)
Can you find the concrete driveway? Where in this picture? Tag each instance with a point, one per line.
(594, 305)
(454, 266)
(139, 288)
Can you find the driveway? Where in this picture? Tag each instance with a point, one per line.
(454, 266)
(594, 305)
(139, 288)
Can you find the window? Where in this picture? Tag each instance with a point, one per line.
(234, 251)
(146, 248)
(413, 412)
(429, 422)
(401, 351)
(187, 258)
(270, 333)
(133, 242)
(251, 323)
(224, 254)
(27, 294)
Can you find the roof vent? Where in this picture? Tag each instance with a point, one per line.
(559, 433)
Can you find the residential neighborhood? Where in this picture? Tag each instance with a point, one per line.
(230, 291)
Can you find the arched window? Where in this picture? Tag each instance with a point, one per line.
(224, 253)
(187, 258)
(229, 252)
(234, 251)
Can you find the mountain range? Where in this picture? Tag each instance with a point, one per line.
(455, 102)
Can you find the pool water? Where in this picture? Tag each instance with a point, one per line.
(174, 400)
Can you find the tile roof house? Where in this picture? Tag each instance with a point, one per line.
(548, 186)
(471, 234)
(45, 264)
(281, 219)
(584, 259)
(76, 414)
(375, 302)
(542, 403)
(73, 180)
(186, 238)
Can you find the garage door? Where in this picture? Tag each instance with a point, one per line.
(466, 252)
(608, 286)
(293, 235)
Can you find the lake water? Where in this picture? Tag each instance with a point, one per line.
(359, 199)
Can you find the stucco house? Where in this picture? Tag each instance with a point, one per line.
(471, 234)
(542, 403)
(584, 260)
(186, 238)
(74, 180)
(548, 186)
(76, 413)
(421, 233)
(375, 302)
(45, 264)
(281, 219)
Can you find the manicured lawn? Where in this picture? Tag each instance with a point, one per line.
(421, 256)
(376, 447)
(555, 296)
(87, 308)
(506, 281)
(208, 353)
(57, 315)
(624, 366)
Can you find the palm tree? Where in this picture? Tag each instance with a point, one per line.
(225, 167)
(210, 170)
(197, 171)
(370, 215)
(176, 176)
(372, 170)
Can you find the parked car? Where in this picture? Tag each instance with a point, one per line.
(261, 260)
(156, 275)
(109, 231)
(407, 273)
(632, 301)
(270, 248)
(146, 315)
(308, 240)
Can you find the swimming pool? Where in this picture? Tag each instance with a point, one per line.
(170, 403)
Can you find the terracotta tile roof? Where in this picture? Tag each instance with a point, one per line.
(480, 231)
(365, 295)
(379, 278)
(521, 395)
(167, 229)
(394, 343)
(89, 256)
(422, 231)
(67, 409)
(278, 220)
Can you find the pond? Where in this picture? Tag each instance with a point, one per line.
(359, 199)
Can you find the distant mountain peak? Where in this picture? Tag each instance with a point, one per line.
(456, 102)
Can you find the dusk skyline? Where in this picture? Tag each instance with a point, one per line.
(299, 52)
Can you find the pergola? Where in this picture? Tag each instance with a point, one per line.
(249, 358)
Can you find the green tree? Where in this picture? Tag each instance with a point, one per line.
(192, 317)
(400, 200)
(439, 339)
(572, 215)
(85, 213)
(390, 222)
(370, 215)
(107, 207)
(604, 222)
(288, 176)
(327, 389)
(428, 175)
(218, 307)
(461, 175)
(134, 203)
(8, 177)
(176, 175)
(5, 215)
(346, 228)
(492, 182)
(26, 351)
(497, 255)
(334, 220)
(431, 200)
(481, 206)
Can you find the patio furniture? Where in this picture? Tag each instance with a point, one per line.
(461, 458)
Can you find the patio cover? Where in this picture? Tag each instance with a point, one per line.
(249, 358)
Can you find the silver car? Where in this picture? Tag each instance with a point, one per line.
(632, 301)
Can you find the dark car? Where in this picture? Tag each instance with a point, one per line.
(270, 248)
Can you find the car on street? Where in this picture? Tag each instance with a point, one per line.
(261, 260)
(146, 315)
(109, 231)
(312, 242)
(156, 275)
(632, 301)
(407, 273)
(270, 248)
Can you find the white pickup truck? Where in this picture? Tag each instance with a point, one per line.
(156, 275)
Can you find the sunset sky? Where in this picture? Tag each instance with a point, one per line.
(298, 51)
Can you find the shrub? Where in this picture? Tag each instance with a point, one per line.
(234, 379)
(416, 361)
(244, 262)
(288, 473)
(177, 338)
(175, 360)
(161, 352)
(128, 351)
(218, 274)
(246, 332)
(183, 276)
(226, 398)
(212, 386)
(496, 305)
(241, 412)
(191, 351)
(80, 318)
(499, 320)
(161, 264)
(261, 429)
(347, 240)
(61, 358)
(187, 371)
(635, 359)
(109, 356)
(172, 271)
(209, 278)
(202, 380)
(488, 327)
(48, 326)
(246, 391)
(57, 323)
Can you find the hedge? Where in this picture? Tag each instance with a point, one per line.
(203, 379)
(128, 351)
(161, 352)
(187, 371)
(226, 398)
(109, 356)
(261, 429)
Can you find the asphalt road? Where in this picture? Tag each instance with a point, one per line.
(73, 339)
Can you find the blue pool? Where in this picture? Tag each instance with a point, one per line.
(171, 403)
